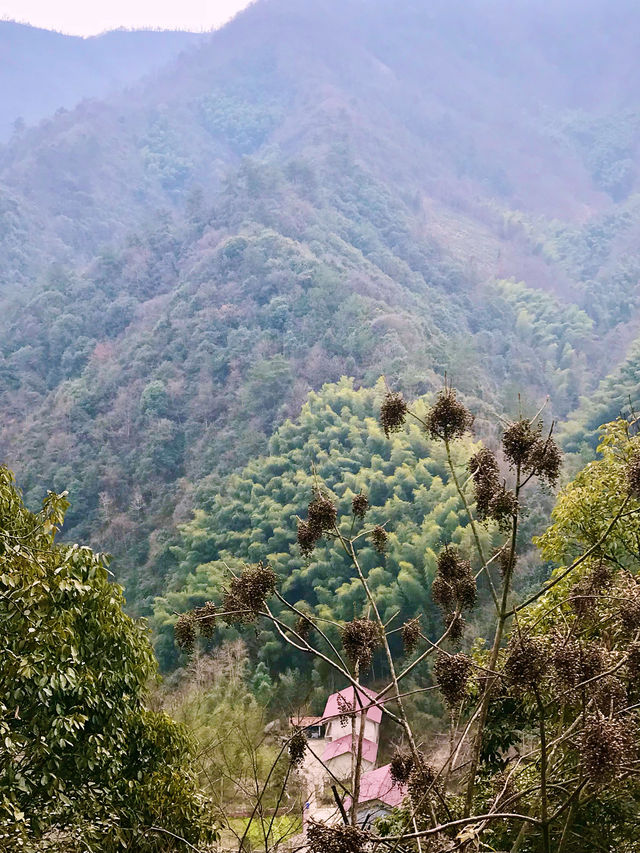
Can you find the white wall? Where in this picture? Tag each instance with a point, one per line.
(341, 766)
(335, 730)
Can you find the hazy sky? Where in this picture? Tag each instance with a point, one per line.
(87, 17)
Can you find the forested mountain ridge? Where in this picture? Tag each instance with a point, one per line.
(43, 71)
(437, 100)
(319, 189)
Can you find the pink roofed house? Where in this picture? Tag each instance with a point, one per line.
(366, 699)
(338, 752)
(378, 793)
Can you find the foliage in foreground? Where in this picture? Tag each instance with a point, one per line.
(84, 765)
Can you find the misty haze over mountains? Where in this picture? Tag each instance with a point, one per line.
(317, 189)
(43, 71)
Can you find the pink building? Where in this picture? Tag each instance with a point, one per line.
(338, 751)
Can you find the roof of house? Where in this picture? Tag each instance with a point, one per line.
(343, 745)
(305, 722)
(378, 785)
(332, 708)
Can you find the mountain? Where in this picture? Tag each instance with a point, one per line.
(44, 71)
(318, 189)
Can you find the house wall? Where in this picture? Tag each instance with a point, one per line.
(341, 766)
(335, 730)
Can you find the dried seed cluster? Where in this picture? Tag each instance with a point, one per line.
(575, 662)
(335, 839)
(452, 676)
(633, 660)
(605, 745)
(393, 413)
(185, 631)
(411, 635)
(360, 505)
(345, 708)
(322, 513)
(297, 748)
(401, 766)
(448, 418)
(321, 518)
(422, 783)
(379, 538)
(483, 467)
(454, 587)
(205, 617)
(307, 538)
(526, 662)
(455, 624)
(610, 694)
(584, 596)
(633, 475)
(302, 627)
(504, 560)
(526, 449)
(503, 506)
(360, 639)
(248, 592)
(627, 597)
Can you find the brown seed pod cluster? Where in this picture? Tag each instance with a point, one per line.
(565, 657)
(393, 413)
(248, 592)
(454, 587)
(545, 461)
(335, 839)
(411, 635)
(633, 660)
(483, 467)
(345, 708)
(448, 418)
(605, 745)
(185, 631)
(627, 597)
(526, 449)
(302, 627)
(360, 505)
(583, 599)
(591, 661)
(455, 624)
(322, 513)
(452, 674)
(422, 783)
(504, 560)
(307, 538)
(401, 766)
(503, 506)
(360, 639)
(601, 576)
(575, 662)
(633, 475)
(205, 618)
(503, 787)
(321, 517)
(609, 694)
(585, 594)
(297, 748)
(526, 662)
(379, 538)
(519, 440)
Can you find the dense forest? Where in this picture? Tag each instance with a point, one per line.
(224, 259)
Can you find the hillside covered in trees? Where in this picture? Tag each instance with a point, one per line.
(238, 285)
(297, 200)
